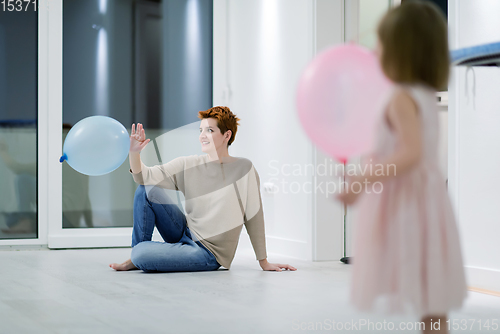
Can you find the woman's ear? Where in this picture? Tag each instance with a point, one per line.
(228, 134)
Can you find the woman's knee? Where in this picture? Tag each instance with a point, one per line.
(140, 191)
(138, 254)
(140, 195)
(152, 194)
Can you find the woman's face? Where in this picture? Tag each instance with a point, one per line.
(211, 138)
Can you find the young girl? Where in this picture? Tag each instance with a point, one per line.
(407, 253)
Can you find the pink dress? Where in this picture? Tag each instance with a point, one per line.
(407, 256)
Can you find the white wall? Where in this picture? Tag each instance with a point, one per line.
(370, 13)
(474, 143)
(260, 50)
(267, 44)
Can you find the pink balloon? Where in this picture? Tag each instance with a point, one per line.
(340, 98)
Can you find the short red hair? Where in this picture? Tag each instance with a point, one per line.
(226, 120)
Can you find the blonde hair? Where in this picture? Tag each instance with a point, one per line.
(414, 38)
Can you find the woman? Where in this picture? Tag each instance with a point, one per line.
(222, 194)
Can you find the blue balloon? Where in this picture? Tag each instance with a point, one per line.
(96, 145)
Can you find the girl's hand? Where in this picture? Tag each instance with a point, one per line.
(138, 139)
(349, 195)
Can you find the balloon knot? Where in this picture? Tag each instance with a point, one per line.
(64, 157)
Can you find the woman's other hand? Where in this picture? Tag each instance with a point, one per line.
(275, 266)
(138, 139)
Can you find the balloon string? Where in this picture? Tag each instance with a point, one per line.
(345, 215)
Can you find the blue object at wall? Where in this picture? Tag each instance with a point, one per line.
(480, 55)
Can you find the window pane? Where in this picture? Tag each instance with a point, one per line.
(97, 80)
(18, 124)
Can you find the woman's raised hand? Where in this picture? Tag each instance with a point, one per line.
(138, 139)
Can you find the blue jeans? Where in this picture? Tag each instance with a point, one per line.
(181, 251)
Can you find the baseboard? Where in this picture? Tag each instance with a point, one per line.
(23, 247)
(93, 238)
(483, 279)
(281, 246)
(88, 241)
(274, 245)
(487, 292)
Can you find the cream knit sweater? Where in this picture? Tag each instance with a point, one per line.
(220, 199)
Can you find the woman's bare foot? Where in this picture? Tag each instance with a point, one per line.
(127, 265)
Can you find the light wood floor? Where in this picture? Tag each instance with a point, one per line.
(74, 291)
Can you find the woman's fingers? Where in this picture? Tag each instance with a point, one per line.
(286, 266)
(144, 143)
(138, 133)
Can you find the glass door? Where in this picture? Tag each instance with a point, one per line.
(114, 63)
(98, 79)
